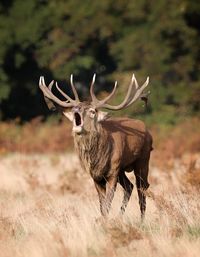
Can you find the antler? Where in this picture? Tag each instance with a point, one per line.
(132, 95)
(47, 91)
(95, 101)
(74, 89)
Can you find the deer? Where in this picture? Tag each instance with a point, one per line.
(107, 147)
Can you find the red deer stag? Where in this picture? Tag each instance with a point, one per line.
(107, 147)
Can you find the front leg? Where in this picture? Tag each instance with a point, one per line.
(106, 193)
(101, 190)
(111, 184)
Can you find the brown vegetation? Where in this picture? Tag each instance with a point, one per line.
(35, 137)
(47, 137)
(174, 143)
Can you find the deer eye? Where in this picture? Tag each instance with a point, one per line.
(92, 113)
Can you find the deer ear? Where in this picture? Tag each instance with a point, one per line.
(102, 116)
(69, 115)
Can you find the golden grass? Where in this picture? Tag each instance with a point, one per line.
(49, 207)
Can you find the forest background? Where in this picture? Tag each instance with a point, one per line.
(159, 39)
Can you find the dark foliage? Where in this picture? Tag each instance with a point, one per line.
(112, 38)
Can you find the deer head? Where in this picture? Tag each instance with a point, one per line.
(86, 116)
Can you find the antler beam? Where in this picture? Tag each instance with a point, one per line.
(133, 94)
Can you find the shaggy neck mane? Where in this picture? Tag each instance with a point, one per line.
(93, 151)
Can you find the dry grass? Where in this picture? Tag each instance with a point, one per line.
(49, 207)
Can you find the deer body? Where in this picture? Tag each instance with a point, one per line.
(108, 147)
(116, 145)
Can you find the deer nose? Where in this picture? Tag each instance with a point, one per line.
(76, 109)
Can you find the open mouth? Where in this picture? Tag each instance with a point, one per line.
(77, 117)
(77, 128)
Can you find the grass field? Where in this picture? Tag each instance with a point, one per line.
(49, 206)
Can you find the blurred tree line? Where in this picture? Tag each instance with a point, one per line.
(159, 38)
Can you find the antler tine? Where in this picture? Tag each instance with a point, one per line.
(48, 93)
(136, 83)
(94, 99)
(110, 95)
(49, 103)
(126, 99)
(74, 89)
(139, 92)
(98, 103)
(51, 85)
(44, 88)
(65, 95)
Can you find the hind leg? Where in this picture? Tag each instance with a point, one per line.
(128, 188)
(141, 173)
